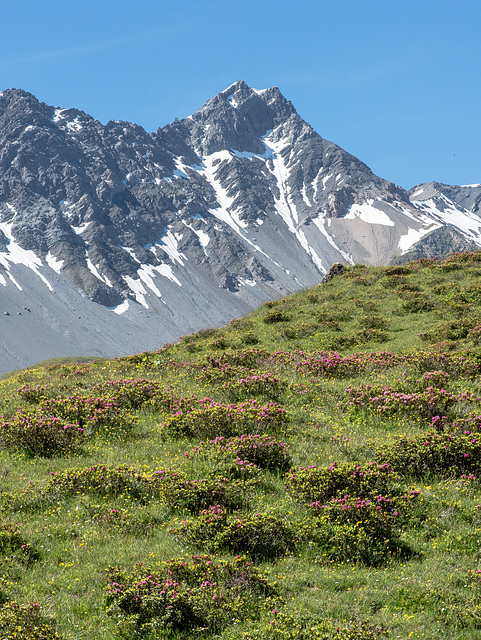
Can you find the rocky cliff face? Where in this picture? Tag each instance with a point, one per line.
(200, 221)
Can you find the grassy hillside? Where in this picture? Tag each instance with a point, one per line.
(309, 471)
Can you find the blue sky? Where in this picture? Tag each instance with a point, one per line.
(396, 83)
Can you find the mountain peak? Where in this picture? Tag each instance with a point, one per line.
(237, 118)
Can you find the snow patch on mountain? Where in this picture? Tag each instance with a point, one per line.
(369, 214)
(407, 240)
(204, 238)
(79, 230)
(167, 271)
(17, 255)
(444, 210)
(121, 308)
(223, 212)
(53, 262)
(138, 290)
(278, 168)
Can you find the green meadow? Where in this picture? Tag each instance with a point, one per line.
(310, 471)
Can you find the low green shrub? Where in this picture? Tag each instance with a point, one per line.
(275, 316)
(193, 597)
(321, 484)
(359, 530)
(26, 622)
(374, 322)
(36, 394)
(439, 453)
(214, 419)
(88, 412)
(416, 301)
(264, 384)
(427, 402)
(249, 337)
(370, 335)
(14, 544)
(129, 392)
(261, 535)
(298, 625)
(39, 435)
(231, 487)
(104, 480)
(125, 522)
(264, 451)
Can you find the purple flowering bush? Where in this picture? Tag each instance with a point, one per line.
(38, 434)
(212, 419)
(130, 392)
(313, 483)
(431, 452)
(358, 509)
(263, 451)
(390, 401)
(261, 535)
(183, 597)
(88, 412)
(255, 384)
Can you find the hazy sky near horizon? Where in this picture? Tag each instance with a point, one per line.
(397, 84)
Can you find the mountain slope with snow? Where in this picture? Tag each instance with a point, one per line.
(199, 221)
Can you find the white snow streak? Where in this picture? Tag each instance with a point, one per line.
(467, 222)
(94, 269)
(411, 237)
(320, 224)
(304, 195)
(417, 193)
(225, 202)
(166, 271)
(287, 212)
(169, 243)
(369, 214)
(17, 255)
(202, 235)
(53, 262)
(121, 308)
(81, 229)
(138, 289)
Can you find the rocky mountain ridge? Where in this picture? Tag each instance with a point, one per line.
(195, 223)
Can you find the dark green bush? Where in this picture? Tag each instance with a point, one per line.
(416, 301)
(231, 487)
(130, 392)
(214, 419)
(374, 322)
(249, 337)
(275, 316)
